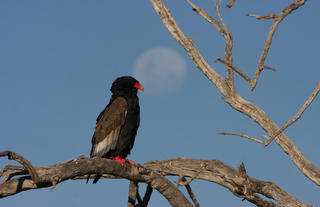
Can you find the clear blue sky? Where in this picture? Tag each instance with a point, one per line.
(59, 58)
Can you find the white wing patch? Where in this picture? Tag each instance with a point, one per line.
(107, 144)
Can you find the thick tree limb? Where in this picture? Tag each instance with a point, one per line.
(153, 174)
(83, 166)
(232, 97)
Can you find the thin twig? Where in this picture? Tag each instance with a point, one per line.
(217, 7)
(242, 135)
(15, 156)
(230, 3)
(229, 43)
(191, 194)
(147, 196)
(139, 197)
(239, 72)
(269, 68)
(235, 69)
(54, 182)
(206, 16)
(297, 116)
(270, 16)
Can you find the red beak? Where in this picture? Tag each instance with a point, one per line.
(138, 86)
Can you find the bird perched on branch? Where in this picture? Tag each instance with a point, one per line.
(117, 124)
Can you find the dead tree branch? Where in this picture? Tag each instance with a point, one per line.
(223, 31)
(22, 161)
(220, 173)
(242, 135)
(190, 192)
(229, 93)
(153, 173)
(244, 76)
(133, 190)
(231, 3)
(277, 20)
(82, 166)
(147, 196)
(297, 116)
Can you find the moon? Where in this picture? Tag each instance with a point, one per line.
(160, 70)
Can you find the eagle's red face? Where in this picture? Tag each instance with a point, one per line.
(137, 85)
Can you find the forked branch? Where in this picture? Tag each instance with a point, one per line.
(190, 192)
(243, 75)
(15, 156)
(277, 20)
(223, 31)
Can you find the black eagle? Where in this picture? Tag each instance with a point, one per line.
(117, 124)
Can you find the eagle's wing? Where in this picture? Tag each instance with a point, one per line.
(109, 124)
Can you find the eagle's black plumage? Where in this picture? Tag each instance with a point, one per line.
(117, 124)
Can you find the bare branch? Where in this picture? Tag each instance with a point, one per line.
(235, 69)
(239, 72)
(191, 194)
(229, 45)
(217, 7)
(269, 68)
(153, 174)
(207, 17)
(218, 172)
(223, 31)
(147, 196)
(82, 166)
(10, 171)
(139, 197)
(132, 197)
(24, 162)
(242, 135)
(297, 116)
(231, 3)
(270, 16)
(277, 19)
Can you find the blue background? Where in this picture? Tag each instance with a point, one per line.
(59, 58)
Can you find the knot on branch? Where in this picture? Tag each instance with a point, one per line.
(247, 186)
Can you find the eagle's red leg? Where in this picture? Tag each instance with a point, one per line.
(119, 159)
(122, 160)
(131, 161)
